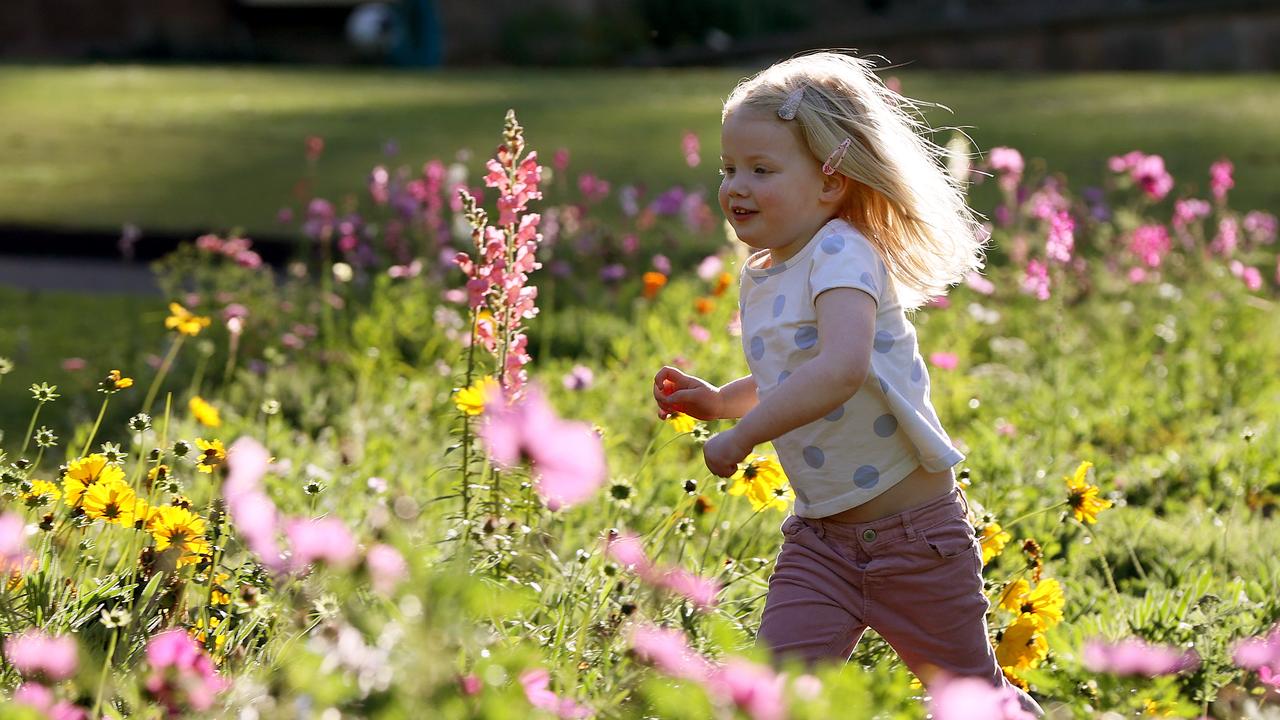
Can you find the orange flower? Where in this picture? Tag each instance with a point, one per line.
(722, 283)
(653, 282)
(704, 305)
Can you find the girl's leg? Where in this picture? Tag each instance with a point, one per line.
(813, 611)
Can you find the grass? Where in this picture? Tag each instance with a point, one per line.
(195, 148)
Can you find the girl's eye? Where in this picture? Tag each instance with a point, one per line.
(761, 170)
(726, 171)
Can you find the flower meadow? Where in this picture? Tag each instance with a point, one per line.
(415, 474)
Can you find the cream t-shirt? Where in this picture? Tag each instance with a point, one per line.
(889, 427)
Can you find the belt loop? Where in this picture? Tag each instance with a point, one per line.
(964, 498)
(906, 523)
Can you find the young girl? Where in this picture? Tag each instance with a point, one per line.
(854, 222)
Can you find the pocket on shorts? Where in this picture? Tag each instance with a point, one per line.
(951, 539)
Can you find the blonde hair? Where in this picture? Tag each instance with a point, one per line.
(902, 198)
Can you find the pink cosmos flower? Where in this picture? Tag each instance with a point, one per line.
(1228, 237)
(1133, 656)
(1036, 280)
(979, 283)
(1188, 210)
(250, 509)
(1150, 243)
(627, 549)
(1150, 175)
(470, 684)
(1251, 276)
(1270, 677)
(593, 189)
(699, 590)
(535, 683)
(970, 698)
(41, 698)
(669, 651)
(753, 688)
(1006, 428)
(942, 302)
(567, 457)
(944, 360)
(699, 333)
(1261, 226)
(386, 566)
(580, 377)
(1252, 653)
(324, 540)
(73, 364)
(1220, 180)
(1137, 275)
(1061, 237)
(13, 542)
(1008, 163)
(35, 654)
(182, 675)
(710, 267)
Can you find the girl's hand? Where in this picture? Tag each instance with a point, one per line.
(723, 452)
(676, 392)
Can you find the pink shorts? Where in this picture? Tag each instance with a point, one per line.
(915, 577)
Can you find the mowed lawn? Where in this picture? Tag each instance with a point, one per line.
(196, 148)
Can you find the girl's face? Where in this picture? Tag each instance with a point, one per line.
(773, 193)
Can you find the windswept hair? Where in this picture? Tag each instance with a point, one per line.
(902, 197)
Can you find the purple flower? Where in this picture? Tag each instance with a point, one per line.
(567, 457)
(613, 273)
(669, 202)
(579, 378)
(1133, 656)
(662, 264)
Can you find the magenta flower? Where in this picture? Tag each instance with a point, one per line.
(386, 566)
(1151, 176)
(1061, 237)
(1036, 280)
(669, 651)
(567, 457)
(1189, 210)
(560, 160)
(1133, 656)
(1150, 243)
(970, 698)
(944, 360)
(593, 189)
(1220, 180)
(41, 698)
(1251, 276)
(751, 687)
(1228, 237)
(470, 684)
(1270, 677)
(627, 549)
(535, 683)
(182, 675)
(324, 540)
(1261, 226)
(37, 655)
(73, 364)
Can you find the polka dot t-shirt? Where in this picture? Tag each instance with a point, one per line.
(889, 427)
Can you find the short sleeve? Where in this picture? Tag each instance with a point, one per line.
(845, 258)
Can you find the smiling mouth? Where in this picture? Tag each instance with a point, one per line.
(741, 214)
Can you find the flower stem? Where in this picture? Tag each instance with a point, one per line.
(94, 432)
(106, 665)
(164, 370)
(31, 426)
(1106, 566)
(1020, 518)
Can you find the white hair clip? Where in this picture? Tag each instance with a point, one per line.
(836, 157)
(791, 104)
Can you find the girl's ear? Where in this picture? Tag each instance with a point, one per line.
(834, 187)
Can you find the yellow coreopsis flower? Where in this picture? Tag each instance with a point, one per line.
(681, 423)
(184, 321)
(180, 528)
(470, 400)
(144, 513)
(204, 413)
(993, 538)
(1083, 497)
(85, 472)
(759, 469)
(112, 502)
(1022, 646)
(212, 454)
(1042, 605)
(41, 492)
(763, 497)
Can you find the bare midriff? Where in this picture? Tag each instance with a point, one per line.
(918, 488)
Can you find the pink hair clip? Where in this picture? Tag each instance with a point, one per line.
(837, 155)
(791, 104)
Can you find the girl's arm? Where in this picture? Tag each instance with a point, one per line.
(846, 325)
(738, 398)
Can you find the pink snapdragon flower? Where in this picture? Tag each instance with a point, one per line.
(971, 698)
(1061, 237)
(1220, 179)
(182, 675)
(1150, 243)
(1134, 656)
(1008, 163)
(1036, 280)
(567, 457)
(536, 689)
(35, 654)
